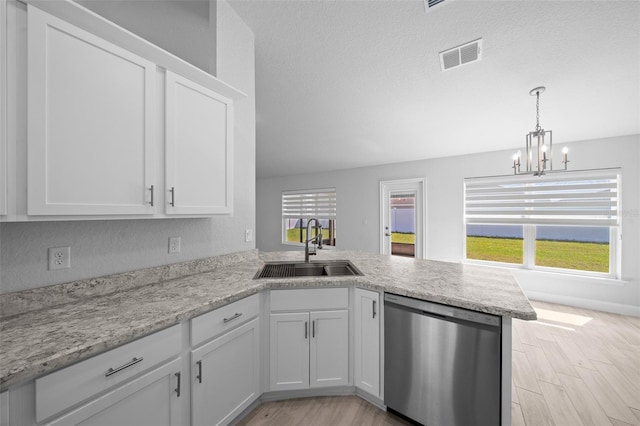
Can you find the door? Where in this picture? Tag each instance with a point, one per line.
(227, 375)
(367, 341)
(91, 123)
(150, 400)
(403, 217)
(199, 126)
(329, 346)
(289, 351)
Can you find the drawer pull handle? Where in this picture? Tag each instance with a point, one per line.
(236, 315)
(199, 376)
(111, 371)
(151, 202)
(178, 388)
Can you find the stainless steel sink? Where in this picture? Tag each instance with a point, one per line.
(327, 268)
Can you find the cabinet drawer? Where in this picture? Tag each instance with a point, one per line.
(71, 385)
(309, 299)
(215, 322)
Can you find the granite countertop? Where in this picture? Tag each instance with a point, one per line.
(44, 329)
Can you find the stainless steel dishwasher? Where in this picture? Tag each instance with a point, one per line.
(442, 364)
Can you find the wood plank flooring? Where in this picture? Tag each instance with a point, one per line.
(321, 411)
(571, 367)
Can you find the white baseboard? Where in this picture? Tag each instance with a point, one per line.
(306, 393)
(598, 305)
(371, 399)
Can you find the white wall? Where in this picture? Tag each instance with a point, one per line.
(358, 222)
(105, 247)
(181, 27)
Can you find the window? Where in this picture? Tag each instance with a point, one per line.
(495, 243)
(562, 221)
(300, 206)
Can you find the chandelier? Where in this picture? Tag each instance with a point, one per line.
(542, 140)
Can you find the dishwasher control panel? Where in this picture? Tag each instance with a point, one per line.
(431, 308)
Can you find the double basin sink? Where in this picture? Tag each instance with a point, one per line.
(326, 268)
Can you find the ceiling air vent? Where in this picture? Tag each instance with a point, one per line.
(464, 54)
(433, 4)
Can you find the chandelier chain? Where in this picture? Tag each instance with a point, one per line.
(537, 110)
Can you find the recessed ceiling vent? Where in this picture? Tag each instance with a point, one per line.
(430, 5)
(461, 55)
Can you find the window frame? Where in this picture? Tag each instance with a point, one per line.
(529, 256)
(283, 219)
(529, 245)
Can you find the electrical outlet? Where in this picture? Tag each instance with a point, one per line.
(248, 235)
(59, 258)
(174, 244)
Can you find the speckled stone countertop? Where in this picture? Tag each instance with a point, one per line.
(44, 329)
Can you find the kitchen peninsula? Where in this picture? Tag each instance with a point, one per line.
(46, 329)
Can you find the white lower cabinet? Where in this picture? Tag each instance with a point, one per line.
(289, 351)
(4, 406)
(152, 399)
(226, 375)
(309, 349)
(329, 358)
(367, 341)
(138, 383)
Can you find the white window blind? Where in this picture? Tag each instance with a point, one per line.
(318, 203)
(583, 198)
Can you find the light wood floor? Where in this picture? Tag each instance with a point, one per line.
(321, 411)
(571, 367)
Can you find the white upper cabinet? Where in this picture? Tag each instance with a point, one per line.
(91, 123)
(199, 149)
(98, 123)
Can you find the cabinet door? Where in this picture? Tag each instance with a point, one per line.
(3, 107)
(4, 406)
(199, 134)
(329, 362)
(367, 341)
(150, 400)
(91, 123)
(226, 375)
(289, 351)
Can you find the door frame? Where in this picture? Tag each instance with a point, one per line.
(419, 185)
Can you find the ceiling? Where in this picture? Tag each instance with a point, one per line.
(343, 84)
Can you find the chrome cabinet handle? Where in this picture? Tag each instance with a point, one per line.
(177, 390)
(374, 308)
(199, 376)
(151, 189)
(122, 367)
(173, 196)
(313, 329)
(236, 315)
(306, 330)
